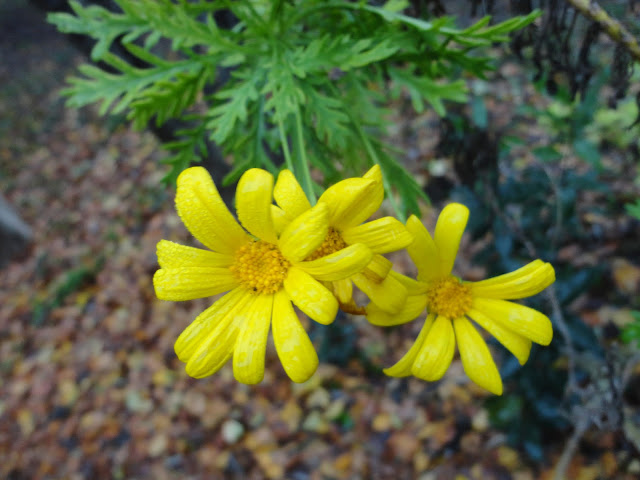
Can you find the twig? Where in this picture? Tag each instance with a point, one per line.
(570, 448)
(614, 29)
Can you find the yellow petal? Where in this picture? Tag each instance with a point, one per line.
(449, 229)
(403, 367)
(437, 351)
(253, 203)
(374, 174)
(413, 287)
(411, 309)
(203, 326)
(311, 296)
(305, 234)
(179, 284)
(423, 251)
(251, 345)
(522, 320)
(294, 348)
(519, 346)
(389, 295)
(343, 290)
(338, 265)
(289, 195)
(378, 268)
(476, 358)
(280, 219)
(524, 282)
(352, 201)
(174, 255)
(217, 344)
(383, 235)
(204, 213)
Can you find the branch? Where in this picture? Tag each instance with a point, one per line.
(612, 27)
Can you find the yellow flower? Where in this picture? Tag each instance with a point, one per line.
(452, 303)
(350, 203)
(263, 271)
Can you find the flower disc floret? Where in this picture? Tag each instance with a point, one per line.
(260, 267)
(449, 297)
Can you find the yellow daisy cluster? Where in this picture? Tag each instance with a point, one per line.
(292, 253)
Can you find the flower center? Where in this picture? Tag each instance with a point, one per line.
(260, 267)
(449, 297)
(332, 243)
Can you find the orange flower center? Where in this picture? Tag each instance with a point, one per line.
(331, 244)
(449, 297)
(260, 267)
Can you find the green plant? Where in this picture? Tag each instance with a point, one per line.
(308, 79)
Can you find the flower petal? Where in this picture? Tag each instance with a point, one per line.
(413, 287)
(205, 214)
(289, 195)
(174, 255)
(524, 282)
(203, 326)
(412, 308)
(216, 348)
(383, 235)
(187, 283)
(280, 219)
(476, 358)
(389, 295)
(437, 351)
(343, 290)
(251, 345)
(338, 265)
(423, 250)
(311, 296)
(403, 367)
(305, 234)
(352, 201)
(378, 268)
(522, 320)
(295, 350)
(253, 203)
(449, 229)
(518, 345)
(374, 174)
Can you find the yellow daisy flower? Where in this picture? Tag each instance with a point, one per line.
(351, 202)
(452, 304)
(262, 270)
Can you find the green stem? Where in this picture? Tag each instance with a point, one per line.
(303, 162)
(285, 146)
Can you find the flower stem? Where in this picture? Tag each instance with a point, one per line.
(285, 146)
(307, 183)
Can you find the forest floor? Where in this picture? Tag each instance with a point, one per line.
(90, 385)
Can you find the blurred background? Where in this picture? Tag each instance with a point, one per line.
(545, 154)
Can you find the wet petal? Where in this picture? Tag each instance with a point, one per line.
(289, 195)
(305, 234)
(200, 329)
(311, 296)
(251, 345)
(476, 357)
(403, 367)
(215, 349)
(449, 229)
(389, 295)
(518, 345)
(253, 203)
(437, 351)
(205, 214)
(174, 255)
(187, 283)
(522, 320)
(295, 350)
(352, 201)
(338, 265)
(524, 282)
(381, 236)
(423, 250)
(412, 308)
